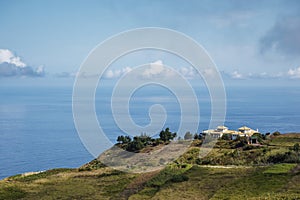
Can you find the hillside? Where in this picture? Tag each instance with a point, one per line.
(231, 171)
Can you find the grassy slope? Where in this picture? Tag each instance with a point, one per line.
(184, 179)
(232, 183)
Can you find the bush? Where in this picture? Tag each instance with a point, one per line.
(248, 147)
(197, 136)
(260, 137)
(296, 147)
(276, 133)
(226, 137)
(287, 157)
(135, 145)
(241, 142)
(177, 178)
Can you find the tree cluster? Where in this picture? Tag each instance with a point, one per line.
(140, 142)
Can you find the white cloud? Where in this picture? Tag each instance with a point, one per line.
(110, 74)
(294, 73)
(254, 76)
(188, 72)
(156, 70)
(8, 57)
(236, 75)
(11, 65)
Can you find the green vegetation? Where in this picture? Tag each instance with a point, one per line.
(280, 168)
(276, 133)
(142, 141)
(11, 192)
(226, 137)
(166, 135)
(232, 170)
(296, 147)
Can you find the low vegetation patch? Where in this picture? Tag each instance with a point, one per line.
(283, 168)
(40, 175)
(11, 192)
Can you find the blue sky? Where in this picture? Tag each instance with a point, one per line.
(246, 39)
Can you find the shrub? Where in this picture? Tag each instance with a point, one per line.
(135, 145)
(226, 137)
(287, 157)
(177, 178)
(276, 133)
(296, 147)
(241, 142)
(260, 137)
(248, 147)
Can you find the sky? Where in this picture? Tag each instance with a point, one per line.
(246, 39)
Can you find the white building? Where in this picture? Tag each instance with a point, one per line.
(218, 132)
(243, 131)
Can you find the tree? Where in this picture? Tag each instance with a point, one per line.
(145, 138)
(166, 135)
(127, 139)
(135, 145)
(123, 139)
(120, 139)
(188, 136)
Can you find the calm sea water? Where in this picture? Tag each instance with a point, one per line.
(37, 131)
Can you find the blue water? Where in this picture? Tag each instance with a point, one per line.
(37, 131)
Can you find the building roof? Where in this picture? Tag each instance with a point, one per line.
(244, 128)
(222, 127)
(241, 131)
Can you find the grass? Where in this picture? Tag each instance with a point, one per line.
(26, 178)
(202, 184)
(283, 168)
(285, 140)
(174, 182)
(11, 192)
(262, 182)
(102, 183)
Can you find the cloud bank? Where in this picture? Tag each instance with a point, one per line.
(12, 66)
(157, 70)
(283, 37)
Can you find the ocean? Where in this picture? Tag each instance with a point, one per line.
(37, 131)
